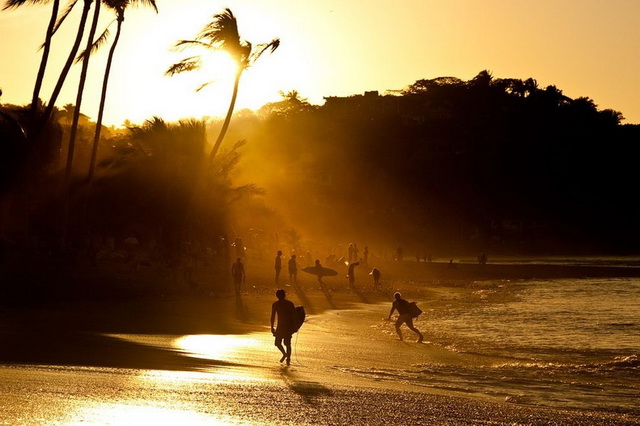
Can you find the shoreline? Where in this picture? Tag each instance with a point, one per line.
(72, 333)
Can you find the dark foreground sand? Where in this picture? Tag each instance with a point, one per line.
(66, 333)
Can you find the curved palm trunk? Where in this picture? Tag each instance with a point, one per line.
(67, 66)
(83, 79)
(74, 124)
(96, 137)
(227, 119)
(103, 98)
(45, 58)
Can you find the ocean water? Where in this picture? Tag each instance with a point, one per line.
(570, 343)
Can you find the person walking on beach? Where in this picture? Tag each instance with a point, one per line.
(278, 265)
(237, 272)
(404, 317)
(292, 265)
(285, 311)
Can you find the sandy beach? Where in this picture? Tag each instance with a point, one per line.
(320, 387)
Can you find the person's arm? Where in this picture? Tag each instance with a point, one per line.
(393, 308)
(273, 318)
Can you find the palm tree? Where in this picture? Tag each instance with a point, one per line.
(46, 47)
(70, 59)
(76, 117)
(83, 78)
(222, 34)
(119, 6)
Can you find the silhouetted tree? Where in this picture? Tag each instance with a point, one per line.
(119, 7)
(46, 116)
(84, 58)
(222, 34)
(46, 46)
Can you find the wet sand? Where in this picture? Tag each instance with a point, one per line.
(80, 334)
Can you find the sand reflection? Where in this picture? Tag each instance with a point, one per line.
(218, 347)
(129, 414)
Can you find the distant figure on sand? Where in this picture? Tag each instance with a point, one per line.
(365, 253)
(351, 275)
(404, 317)
(375, 272)
(293, 269)
(237, 272)
(278, 265)
(399, 253)
(285, 310)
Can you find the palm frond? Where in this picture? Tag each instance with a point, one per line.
(222, 30)
(203, 85)
(272, 45)
(187, 64)
(151, 3)
(11, 4)
(64, 15)
(184, 44)
(97, 44)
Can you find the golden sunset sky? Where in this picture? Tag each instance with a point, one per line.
(338, 48)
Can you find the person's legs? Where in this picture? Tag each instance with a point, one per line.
(287, 344)
(399, 322)
(278, 344)
(415, 330)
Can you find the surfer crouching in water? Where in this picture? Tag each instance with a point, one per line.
(404, 316)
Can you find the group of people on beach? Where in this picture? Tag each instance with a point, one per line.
(284, 310)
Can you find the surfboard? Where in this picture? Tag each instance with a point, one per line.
(324, 272)
(414, 310)
(298, 319)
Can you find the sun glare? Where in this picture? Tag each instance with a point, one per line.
(217, 347)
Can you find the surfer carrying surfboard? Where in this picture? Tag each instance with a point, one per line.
(319, 268)
(404, 316)
(285, 310)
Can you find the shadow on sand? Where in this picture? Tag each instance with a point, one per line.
(43, 347)
(304, 300)
(308, 390)
(359, 293)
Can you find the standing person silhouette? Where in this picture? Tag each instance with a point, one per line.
(285, 311)
(278, 265)
(402, 306)
(292, 265)
(375, 272)
(237, 272)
